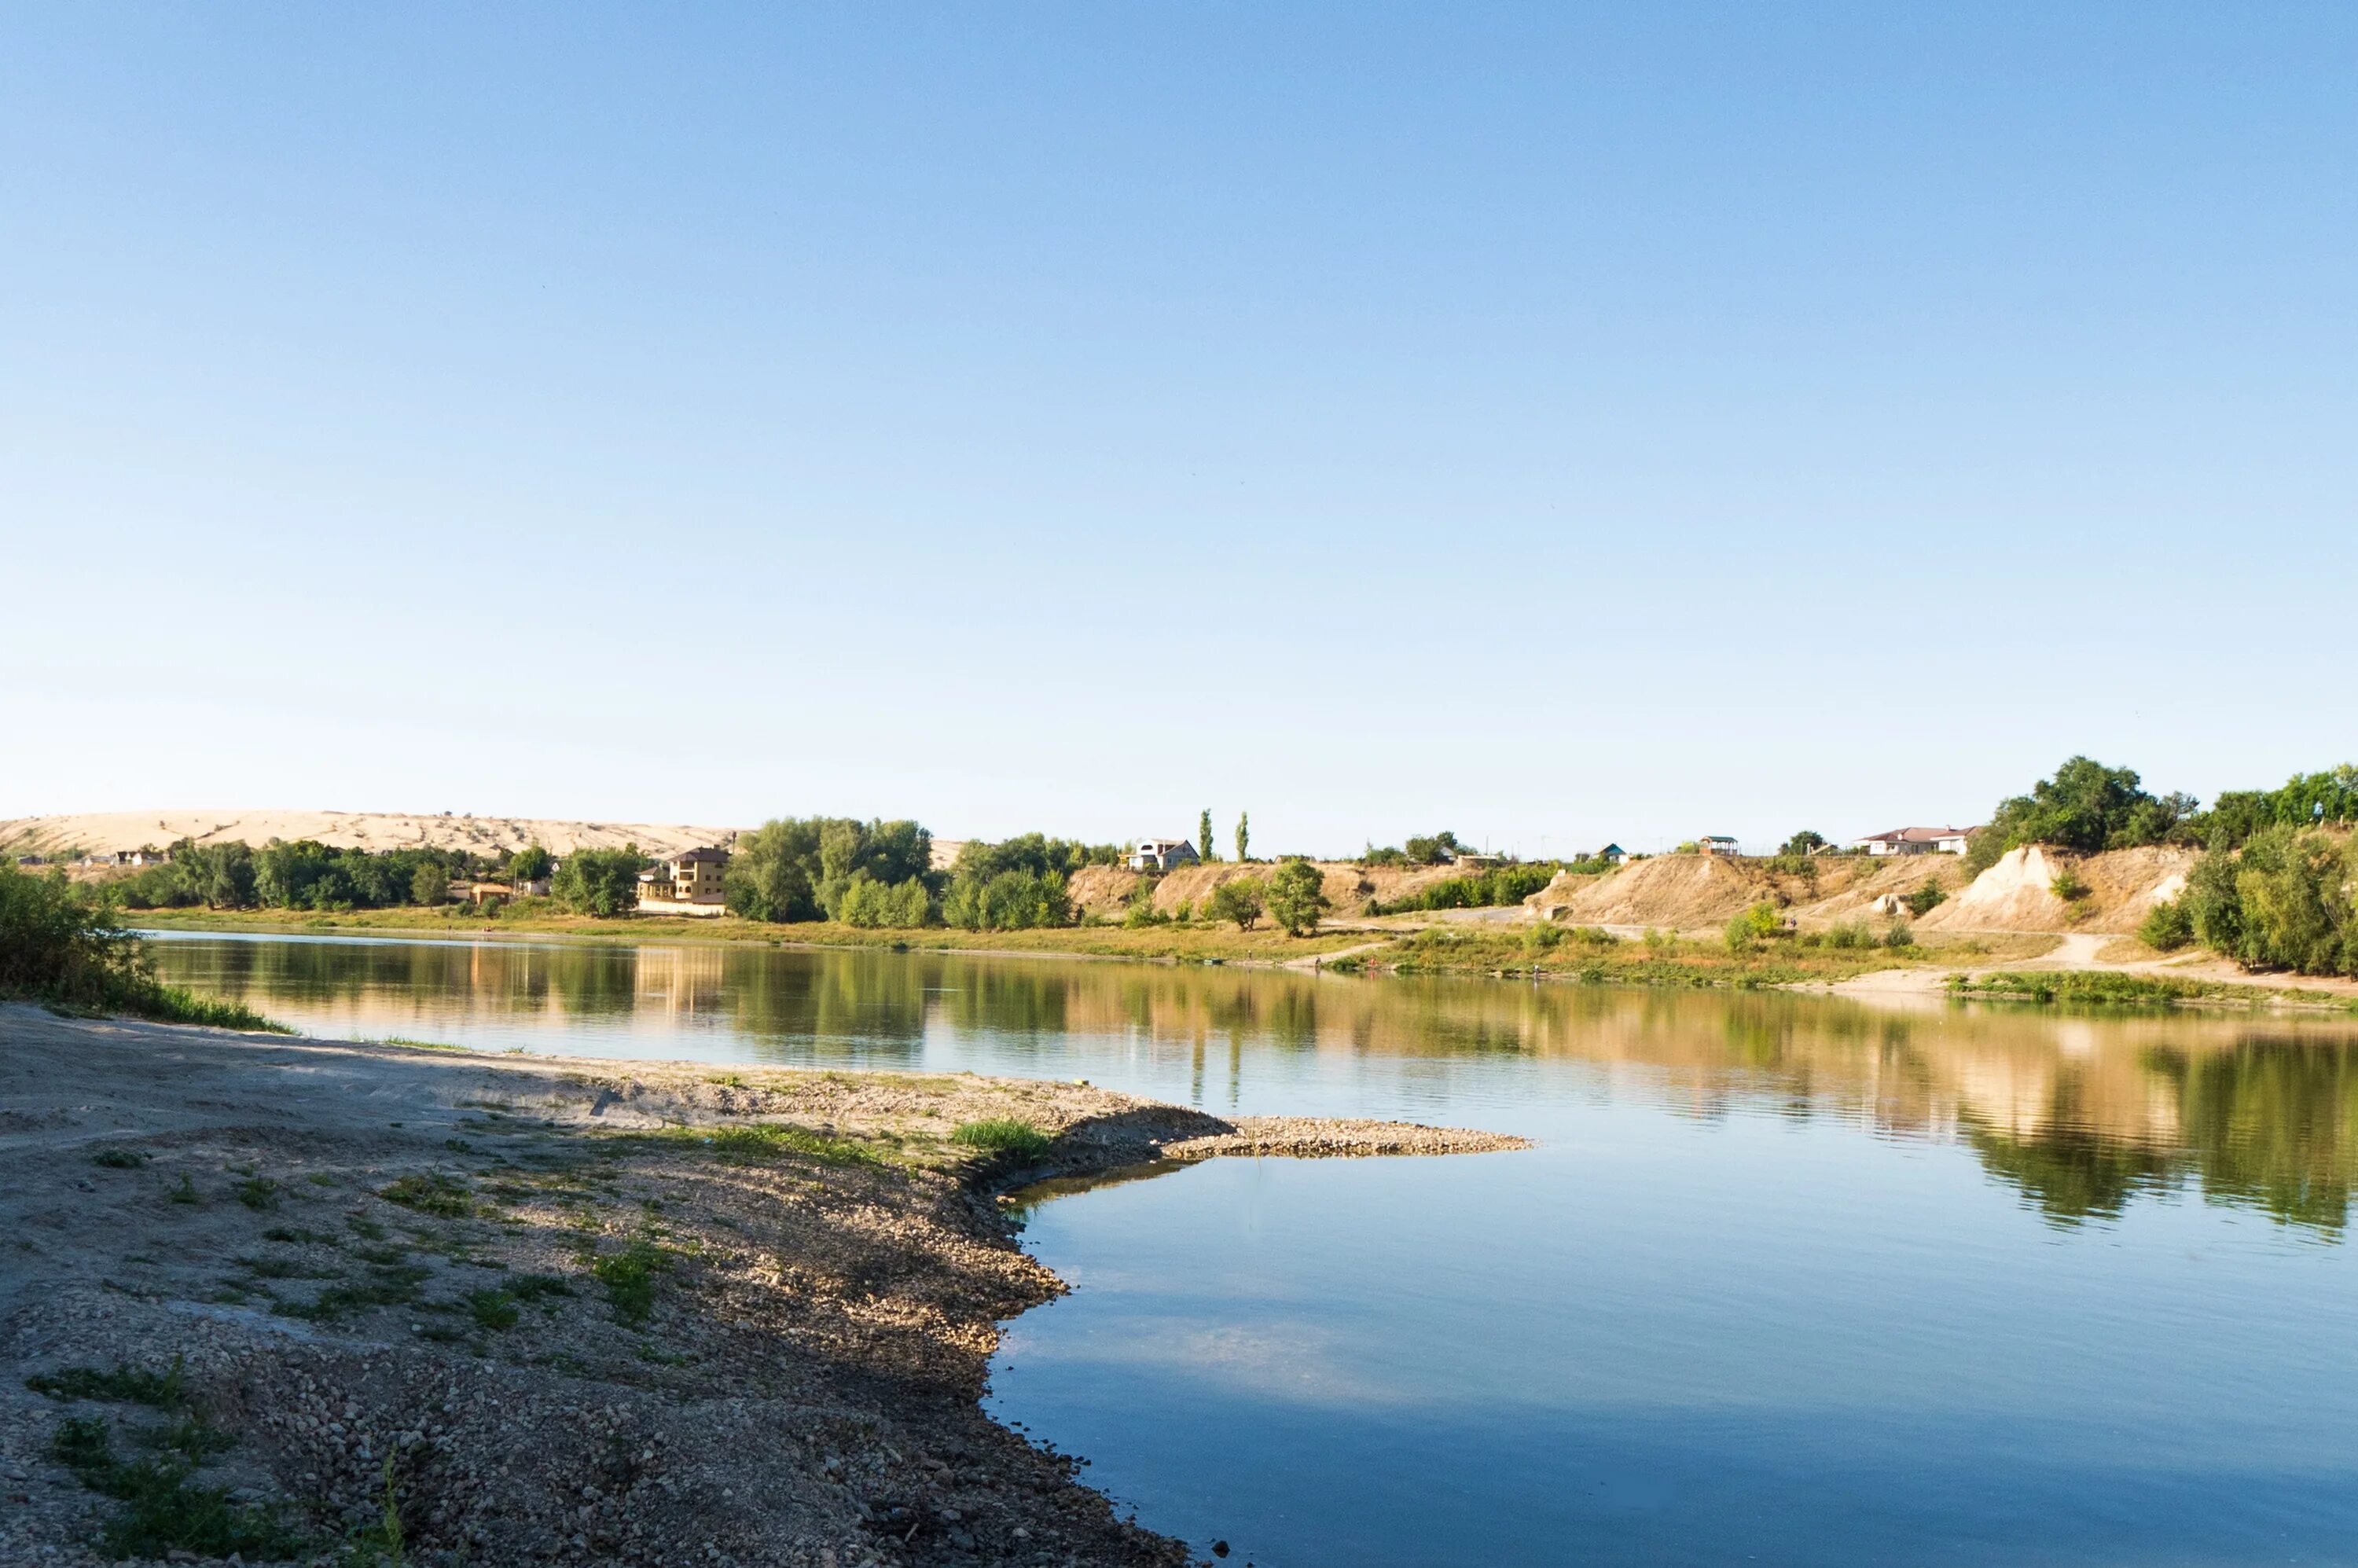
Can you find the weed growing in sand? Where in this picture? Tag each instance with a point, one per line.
(629, 1277)
(434, 1193)
(126, 1384)
(366, 1229)
(190, 1438)
(1004, 1135)
(538, 1287)
(258, 1193)
(494, 1309)
(184, 1192)
(295, 1235)
(119, 1159)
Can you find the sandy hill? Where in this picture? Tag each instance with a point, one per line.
(109, 831)
(1690, 891)
(2017, 893)
(1106, 890)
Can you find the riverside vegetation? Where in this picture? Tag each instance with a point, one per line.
(63, 946)
(2273, 890)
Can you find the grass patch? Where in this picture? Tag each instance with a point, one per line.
(163, 1509)
(538, 1287)
(629, 1277)
(119, 1159)
(294, 1236)
(394, 1286)
(770, 1140)
(258, 1193)
(283, 1268)
(184, 1191)
(176, 1004)
(1004, 1135)
(124, 1384)
(434, 1193)
(494, 1309)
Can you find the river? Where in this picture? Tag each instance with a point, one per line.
(1787, 1280)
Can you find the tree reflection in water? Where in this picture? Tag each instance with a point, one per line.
(2082, 1115)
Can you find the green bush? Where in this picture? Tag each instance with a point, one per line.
(63, 945)
(1927, 897)
(1848, 933)
(1238, 899)
(2167, 925)
(866, 901)
(1761, 921)
(2282, 901)
(1899, 936)
(2068, 886)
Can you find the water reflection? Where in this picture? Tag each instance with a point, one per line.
(2083, 1117)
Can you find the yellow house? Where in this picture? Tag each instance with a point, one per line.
(692, 877)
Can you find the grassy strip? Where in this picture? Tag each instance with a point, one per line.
(2085, 988)
(1594, 957)
(1186, 944)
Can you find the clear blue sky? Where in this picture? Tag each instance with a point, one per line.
(1553, 423)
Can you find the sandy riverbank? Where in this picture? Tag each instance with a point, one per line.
(560, 1311)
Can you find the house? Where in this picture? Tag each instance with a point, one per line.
(690, 877)
(1612, 853)
(531, 887)
(1715, 844)
(140, 857)
(481, 893)
(1163, 855)
(1915, 841)
(1476, 859)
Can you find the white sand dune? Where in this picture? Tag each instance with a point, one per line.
(108, 832)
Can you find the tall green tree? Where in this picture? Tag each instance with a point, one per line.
(2087, 807)
(429, 884)
(1244, 836)
(1297, 896)
(603, 883)
(1204, 836)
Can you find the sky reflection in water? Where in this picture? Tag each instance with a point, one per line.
(1791, 1280)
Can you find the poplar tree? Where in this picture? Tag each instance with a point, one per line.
(1244, 836)
(1204, 836)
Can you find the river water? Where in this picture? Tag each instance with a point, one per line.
(1787, 1280)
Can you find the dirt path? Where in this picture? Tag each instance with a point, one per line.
(559, 1311)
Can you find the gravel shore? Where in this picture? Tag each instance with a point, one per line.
(437, 1307)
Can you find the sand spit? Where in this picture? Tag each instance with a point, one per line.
(562, 1311)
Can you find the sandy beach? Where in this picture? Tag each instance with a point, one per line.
(551, 1310)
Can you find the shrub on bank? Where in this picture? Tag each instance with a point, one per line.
(62, 945)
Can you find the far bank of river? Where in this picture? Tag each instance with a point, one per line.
(2019, 968)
